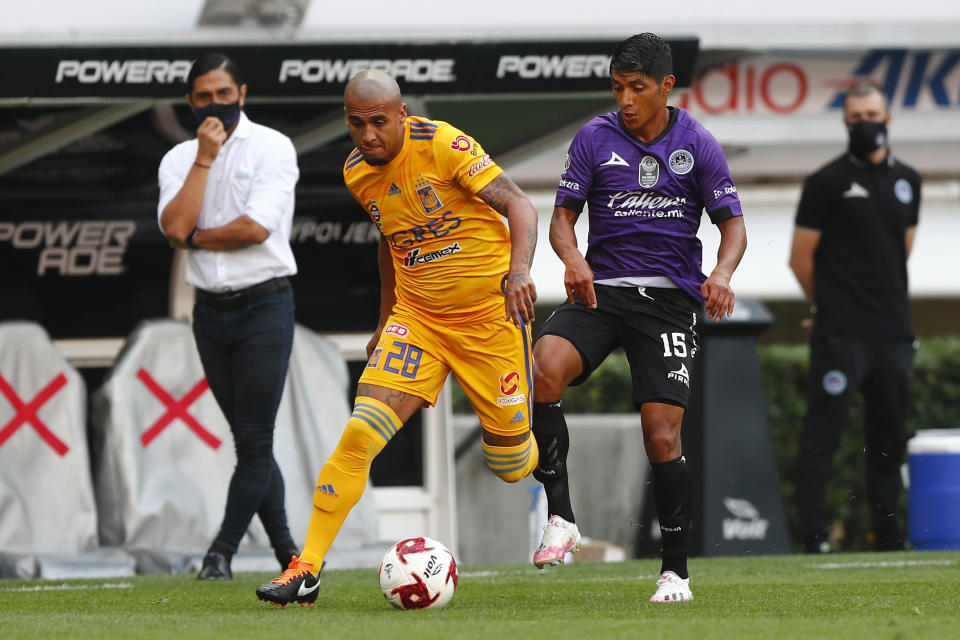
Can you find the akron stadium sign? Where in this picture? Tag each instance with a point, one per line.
(282, 71)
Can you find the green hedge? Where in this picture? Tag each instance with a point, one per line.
(934, 404)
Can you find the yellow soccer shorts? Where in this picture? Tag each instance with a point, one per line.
(493, 362)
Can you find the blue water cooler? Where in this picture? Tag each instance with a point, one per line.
(934, 460)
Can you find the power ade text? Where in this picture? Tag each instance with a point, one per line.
(73, 249)
(419, 70)
(575, 66)
(123, 71)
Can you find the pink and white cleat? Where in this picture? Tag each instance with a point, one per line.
(672, 588)
(559, 538)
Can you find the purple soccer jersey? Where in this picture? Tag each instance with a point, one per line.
(645, 200)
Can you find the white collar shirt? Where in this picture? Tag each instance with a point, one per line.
(254, 175)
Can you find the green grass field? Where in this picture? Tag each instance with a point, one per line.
(842, 596)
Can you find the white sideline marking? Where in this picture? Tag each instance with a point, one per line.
(881, 564)
(72, 587)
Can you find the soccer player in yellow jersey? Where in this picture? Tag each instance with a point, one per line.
(456, 295)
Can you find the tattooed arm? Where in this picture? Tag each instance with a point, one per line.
(506, 198)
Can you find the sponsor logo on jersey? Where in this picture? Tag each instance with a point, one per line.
(615, 160)
(339, 70)
(461, 143)
(834, 382)
(681, 162)
(374, 211)
(644, 204)
(423, 233)
(508, 401)
(903, 191)
(680, 375)
(416, 257)
(746, 523)
(649, 172)
(397, 330)
(570, 185)
(509, 383)
(856, 190)
(518, 417)
(429, 198)
(123, 71)
(725, 191)
(479, 166)
(394, 190)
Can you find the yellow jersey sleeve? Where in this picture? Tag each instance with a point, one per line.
(462, 158)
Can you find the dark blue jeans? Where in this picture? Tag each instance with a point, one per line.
(245, 353)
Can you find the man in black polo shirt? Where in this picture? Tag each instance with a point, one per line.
(854, 229)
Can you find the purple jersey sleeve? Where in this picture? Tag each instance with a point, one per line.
(717, 190)
(576, 178)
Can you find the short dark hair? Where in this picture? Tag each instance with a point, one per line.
(210, 61)
(647, 53)
(864, 87)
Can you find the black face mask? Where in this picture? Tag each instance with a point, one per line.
(225, 113)
(866, 136)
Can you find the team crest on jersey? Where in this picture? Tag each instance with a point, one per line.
(428, 196)
(903, 191)
(834, 382)
(649, 172)
(374, 359)
(566, 163)
(681, 162)
(461, 143)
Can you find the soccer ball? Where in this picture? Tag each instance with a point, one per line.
(418, 573)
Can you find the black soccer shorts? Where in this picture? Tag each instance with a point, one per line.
(656, 327)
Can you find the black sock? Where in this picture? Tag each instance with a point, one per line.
(671, 490)
(285, 552)
(553, 441)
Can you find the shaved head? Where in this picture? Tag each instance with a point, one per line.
(372, 85)
(375, 115)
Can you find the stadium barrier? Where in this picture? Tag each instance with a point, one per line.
(166, 454)
(48, 520)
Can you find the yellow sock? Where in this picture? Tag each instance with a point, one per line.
(344, 477)
(514, 462)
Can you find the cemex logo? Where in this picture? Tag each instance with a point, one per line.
(415, 257)
(746, 523)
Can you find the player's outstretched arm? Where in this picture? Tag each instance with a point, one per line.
(388, 294)
(506, 198)
(717, 291)
(578, 277)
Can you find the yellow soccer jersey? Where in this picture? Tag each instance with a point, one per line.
(450, 249)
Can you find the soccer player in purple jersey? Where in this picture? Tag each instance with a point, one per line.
(646, 172)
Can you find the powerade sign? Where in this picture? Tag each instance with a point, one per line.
(321, 70)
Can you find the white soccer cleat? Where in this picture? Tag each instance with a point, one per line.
(672, 588)
(559, 538)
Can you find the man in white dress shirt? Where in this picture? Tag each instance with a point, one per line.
(228, 197)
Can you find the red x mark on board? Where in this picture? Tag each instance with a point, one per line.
(28, 413)
(175, 409)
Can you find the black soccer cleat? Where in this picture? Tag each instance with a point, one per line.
(295, 584)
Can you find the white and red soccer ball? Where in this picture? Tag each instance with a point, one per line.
(418, 573)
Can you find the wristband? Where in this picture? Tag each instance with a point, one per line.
(190, 242)
(202, 166)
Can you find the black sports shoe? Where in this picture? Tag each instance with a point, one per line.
(215, 567)
(297, 583)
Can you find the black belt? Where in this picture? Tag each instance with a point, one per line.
(227, 300)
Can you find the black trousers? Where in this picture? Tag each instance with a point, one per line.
(245, 352)
(839, 368)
